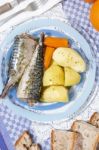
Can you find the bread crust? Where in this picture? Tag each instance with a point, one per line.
(36, 146)
(94, 118)
(52, 135)
(21, 137)
(96, 144)
(74, 136)
(73, 127)
(92, 121)
(75, 140)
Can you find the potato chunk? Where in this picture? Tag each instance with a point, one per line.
(67, 57)
(71, 77)
(54, 75)
(55, 94)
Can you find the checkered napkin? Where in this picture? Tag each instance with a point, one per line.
(78, 15)
(15, 126)
(77, 12)
(5, 144)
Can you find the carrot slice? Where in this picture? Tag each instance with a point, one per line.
(56, 42)
(48, 56)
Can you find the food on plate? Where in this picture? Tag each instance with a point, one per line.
(48, 56)
(94, 15)
(67, 57)
(56, 42)
(94, 120)
(89, 133)
(54, 75)
(43, 69)
(55, 94)
(25, 143)
(65, 140)
(24, 46)
(29, 88)
(54, 63)
(71, 77)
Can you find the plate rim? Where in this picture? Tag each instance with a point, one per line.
(8, 102)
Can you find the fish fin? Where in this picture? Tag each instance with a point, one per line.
(6, 88)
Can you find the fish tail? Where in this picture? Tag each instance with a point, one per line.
(30, 103)
(6, 89)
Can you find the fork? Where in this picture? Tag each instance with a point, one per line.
(30, 7)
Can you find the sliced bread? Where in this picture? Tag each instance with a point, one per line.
(89, 133)
(24, 142)
(65, 140)
(34, 147)
(94, 120)
(20, 147)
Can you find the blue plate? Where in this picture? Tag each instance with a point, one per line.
(78, 94)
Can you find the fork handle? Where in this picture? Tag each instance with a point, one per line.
(10, 17)
(4, 8)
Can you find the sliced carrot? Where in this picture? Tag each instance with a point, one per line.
(48, 56)
(56, 42)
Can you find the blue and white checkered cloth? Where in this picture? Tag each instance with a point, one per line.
(77, 13)
(5, 144)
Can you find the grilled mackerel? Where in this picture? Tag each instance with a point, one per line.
(24, 46)
(29, 88)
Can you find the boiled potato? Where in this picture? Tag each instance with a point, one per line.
(71, 77)
(53, 62)
(55, 94)
(67, 57)
(54, 75)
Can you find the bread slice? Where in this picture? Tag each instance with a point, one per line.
(94, 120)
(24, 142)
(65, 140)
(34, 147)
(89, 133)
(20, 147)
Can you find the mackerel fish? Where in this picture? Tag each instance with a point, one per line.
(30, 86)
(23, 49)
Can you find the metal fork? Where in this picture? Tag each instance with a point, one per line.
(30, 7)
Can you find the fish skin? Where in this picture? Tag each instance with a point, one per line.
(30, 85)
(24, 46)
